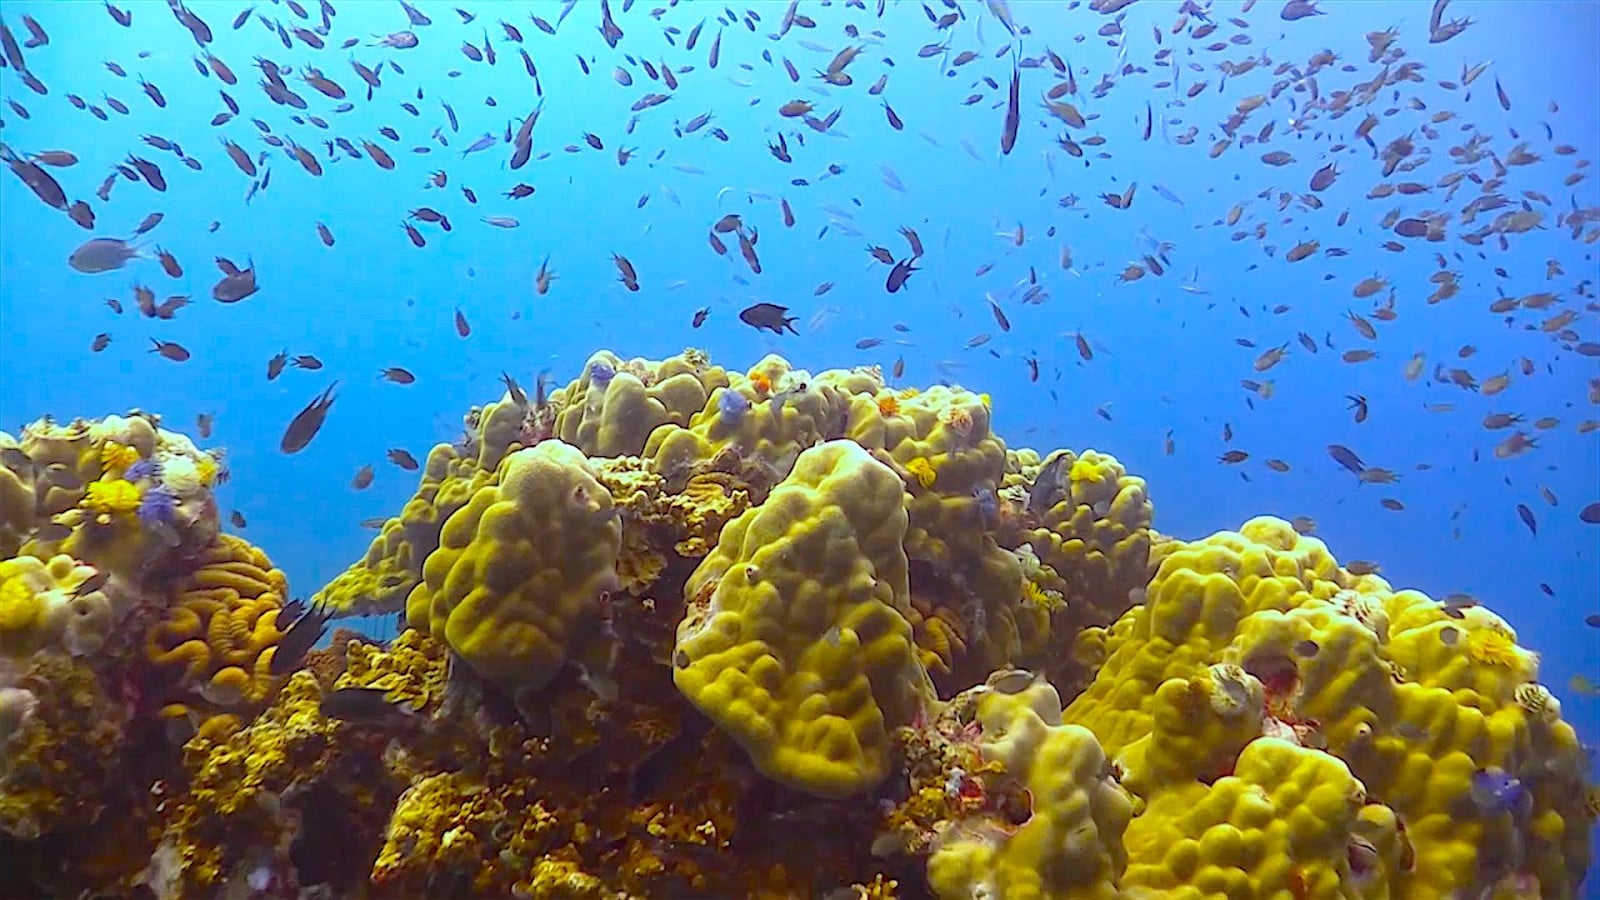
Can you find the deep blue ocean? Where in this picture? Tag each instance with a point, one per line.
(1028, 230)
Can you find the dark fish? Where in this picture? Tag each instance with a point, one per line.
(462, 328)
(700, 316)
(1526, 515)
(236, 287)
(307, 423)
(768, 317)
(897, 276)
(403, 459)
(149, 222)
(518, 397)
(1049, 486)
(1295, 10)
(237, 518)
(98, 255)
(1345, 457)
(1008, 136)
(363, 478)
(1590, 514)
(169, 350)
(298, 639)
(362, 705)
(398, 375)
(43, 185)
(81, 214)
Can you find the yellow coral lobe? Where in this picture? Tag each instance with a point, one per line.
(116, 458)
(922, 471)
(110, 496)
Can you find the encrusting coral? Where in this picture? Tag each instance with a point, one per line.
(678, 630)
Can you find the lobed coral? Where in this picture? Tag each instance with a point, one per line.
(682, 631)
(1061, 836)
(516, 585)
(795, 641)
(1412, 699)
(613, 406)
(1087, 526)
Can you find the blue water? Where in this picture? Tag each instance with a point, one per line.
(1164, 358)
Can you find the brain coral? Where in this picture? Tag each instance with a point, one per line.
(218, 636)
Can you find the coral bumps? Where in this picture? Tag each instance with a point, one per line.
(796, 640)
(677, 630)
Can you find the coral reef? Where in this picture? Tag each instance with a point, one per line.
(676, 630)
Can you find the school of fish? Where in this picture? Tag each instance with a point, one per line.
(1451, 183)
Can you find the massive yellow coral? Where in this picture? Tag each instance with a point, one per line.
(1067, 842)
(1088, 525)
(1413, 699)
(796, 641)
(218, 637)
(1224, 810)
(515, 586)
(614, 405)
(45, 605)
(766, 427)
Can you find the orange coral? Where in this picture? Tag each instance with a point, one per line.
(761, 383)
(888, 405)
(219, 635)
